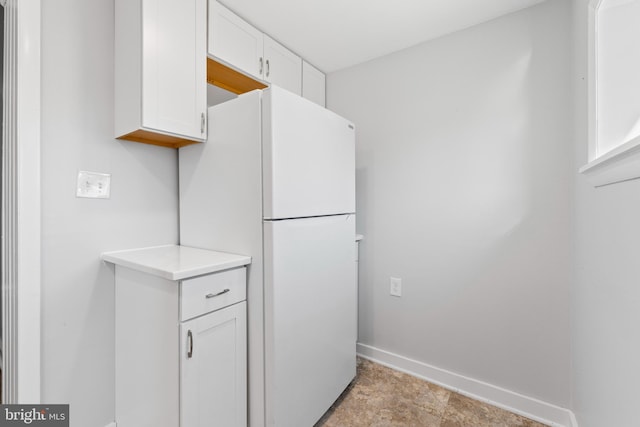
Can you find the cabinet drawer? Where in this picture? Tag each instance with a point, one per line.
(208, 293)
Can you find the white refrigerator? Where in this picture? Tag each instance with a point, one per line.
(276, 180)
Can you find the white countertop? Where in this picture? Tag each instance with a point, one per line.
(176, 262)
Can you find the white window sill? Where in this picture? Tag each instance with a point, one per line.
(621, 164)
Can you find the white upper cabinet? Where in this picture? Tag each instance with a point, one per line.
(239, 44)
(160, 71)
(313, 84)
(282, 67)
(234, 40)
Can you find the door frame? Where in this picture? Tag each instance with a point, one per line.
(21, 229)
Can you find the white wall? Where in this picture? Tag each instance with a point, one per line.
(77, 129)
(464, 166)
(606, 293)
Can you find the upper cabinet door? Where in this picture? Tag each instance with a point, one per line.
(282, 67)
(160, 91)
(174, 69)
(313, 84)
(234, 41)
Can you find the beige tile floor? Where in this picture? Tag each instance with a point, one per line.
(383, 397)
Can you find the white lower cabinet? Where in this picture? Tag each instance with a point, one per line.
(213, 372)
(181, 349)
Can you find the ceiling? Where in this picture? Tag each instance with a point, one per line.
(336, 34)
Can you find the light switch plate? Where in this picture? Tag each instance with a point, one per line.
(93, 185)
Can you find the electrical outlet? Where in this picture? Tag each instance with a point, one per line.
(395, 287)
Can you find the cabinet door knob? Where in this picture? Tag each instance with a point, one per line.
(190, 340)
(260, 62)
(216, 295)
(201, 122)
(267, 68)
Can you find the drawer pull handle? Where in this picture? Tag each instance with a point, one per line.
(217, 295)
(190, 339)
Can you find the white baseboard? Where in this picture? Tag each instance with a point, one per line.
(534, 409)
(574, 421)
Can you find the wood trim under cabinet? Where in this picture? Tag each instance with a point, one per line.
(148, 137)
(229, 79)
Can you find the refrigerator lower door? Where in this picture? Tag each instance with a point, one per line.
(310, 316)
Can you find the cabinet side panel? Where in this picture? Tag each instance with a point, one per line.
(147, 359)
(221, 209)
(128, 65)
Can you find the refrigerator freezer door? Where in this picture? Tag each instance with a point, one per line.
(310, 300)
(308, 158)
